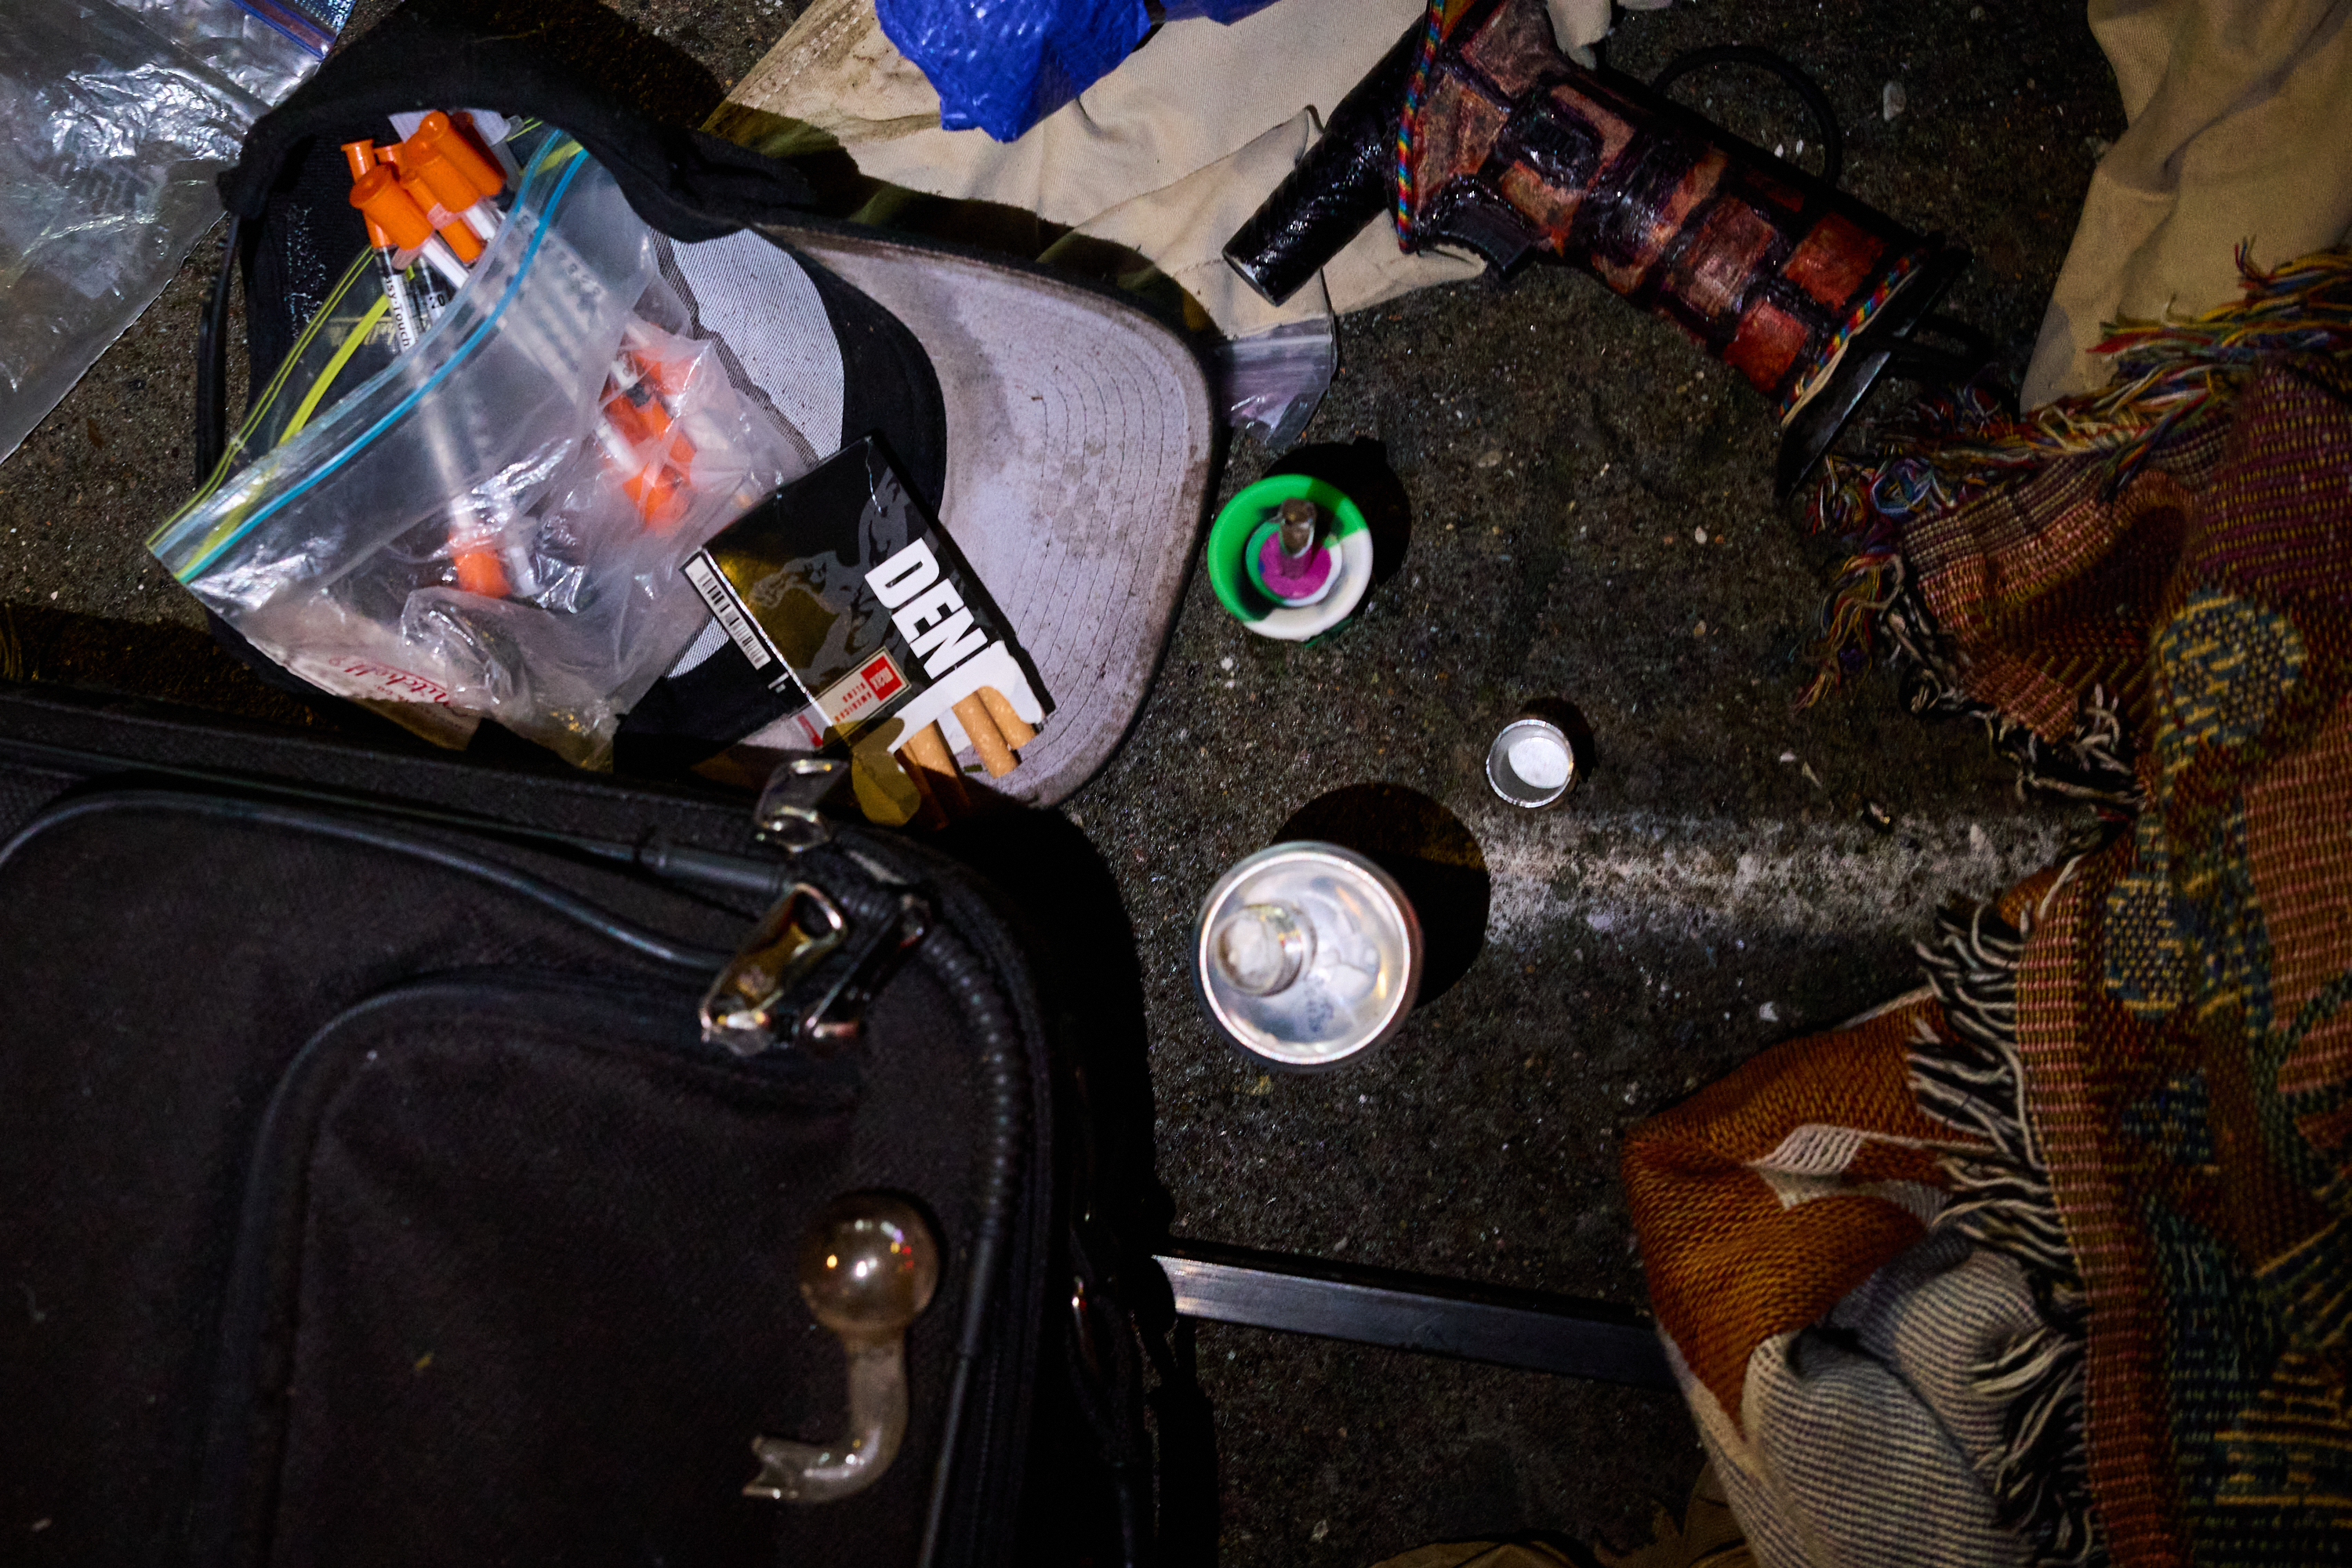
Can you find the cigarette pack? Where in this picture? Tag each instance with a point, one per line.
(843, 587)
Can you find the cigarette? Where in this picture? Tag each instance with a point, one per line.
(927, 750)
(1011, 725)
(986, 738)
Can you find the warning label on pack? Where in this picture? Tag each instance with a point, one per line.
(861, 692)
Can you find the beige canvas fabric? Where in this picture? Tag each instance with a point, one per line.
(1167, 155)
(2241, 130)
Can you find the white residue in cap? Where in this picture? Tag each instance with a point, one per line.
(1539, 759)
(1892, 101)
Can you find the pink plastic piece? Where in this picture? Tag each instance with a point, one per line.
(1296, 580)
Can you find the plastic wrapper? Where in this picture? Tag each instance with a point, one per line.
(1002, 69)
(1270, 382)
(265, 49)
(114, 119)
(493, 525)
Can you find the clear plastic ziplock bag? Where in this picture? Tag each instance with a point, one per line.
(114, 119)
(353, 334)
(492, 526)
(1272, 382)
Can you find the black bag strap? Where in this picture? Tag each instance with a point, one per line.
(1808, 90)
(212, 359)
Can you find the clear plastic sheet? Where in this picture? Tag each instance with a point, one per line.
(115, 115)
(493, 526)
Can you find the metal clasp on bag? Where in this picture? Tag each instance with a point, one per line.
(744, 1008)
(740, 1010)
(839, 1017)
(801, 793)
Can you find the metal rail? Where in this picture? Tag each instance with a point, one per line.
(1526, 1329)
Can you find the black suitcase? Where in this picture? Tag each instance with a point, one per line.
(370, 1195)
(370, 1187)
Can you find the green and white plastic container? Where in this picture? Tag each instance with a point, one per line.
(1239, 535)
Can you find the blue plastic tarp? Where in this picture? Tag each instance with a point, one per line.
(1000, 66)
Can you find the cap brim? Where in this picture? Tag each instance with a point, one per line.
(1080, 436)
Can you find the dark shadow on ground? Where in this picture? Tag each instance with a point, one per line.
(1062, 897)
(1434, 859)
(1360, 468)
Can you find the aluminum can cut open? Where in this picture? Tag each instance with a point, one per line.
(1307, 955)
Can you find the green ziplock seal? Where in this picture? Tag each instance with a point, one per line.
(257, 419)
(360, 331)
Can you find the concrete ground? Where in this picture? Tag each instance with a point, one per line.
(1590, 520)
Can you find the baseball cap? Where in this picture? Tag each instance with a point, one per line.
(1063, 434)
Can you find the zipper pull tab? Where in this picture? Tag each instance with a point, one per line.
(740, 1009)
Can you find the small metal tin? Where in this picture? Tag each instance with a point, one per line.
(1306, 955)
(1532, 763)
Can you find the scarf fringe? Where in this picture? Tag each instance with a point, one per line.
(2092, 763)
(1971, 1079)
(2170, 377)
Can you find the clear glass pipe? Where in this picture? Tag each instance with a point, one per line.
(819, 1472)
(868, 1268)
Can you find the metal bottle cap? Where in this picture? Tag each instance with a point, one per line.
(1532, 763)
(1307, 954)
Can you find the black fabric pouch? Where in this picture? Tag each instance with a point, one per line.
(368, 1193)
